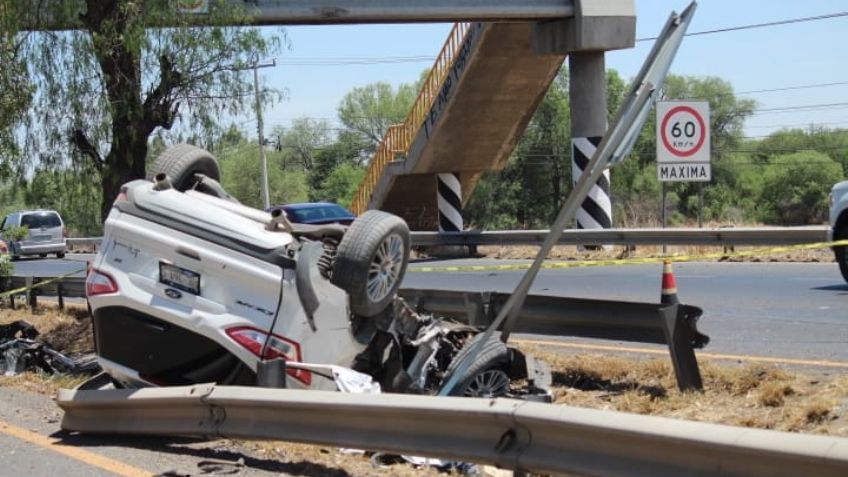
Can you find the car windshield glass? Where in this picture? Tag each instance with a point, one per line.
(37, 221)
(320, 212)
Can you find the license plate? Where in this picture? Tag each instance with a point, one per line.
(179, 278)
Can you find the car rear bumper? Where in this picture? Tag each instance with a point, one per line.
(23, 248)
(162, 353)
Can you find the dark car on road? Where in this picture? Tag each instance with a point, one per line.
(316, 213)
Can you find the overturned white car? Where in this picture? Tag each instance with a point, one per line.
(192, 287)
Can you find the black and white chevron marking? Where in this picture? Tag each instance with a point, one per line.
(450, 202)
(596, 210)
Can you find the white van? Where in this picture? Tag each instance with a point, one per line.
(46, 233)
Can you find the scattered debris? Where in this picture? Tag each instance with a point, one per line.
(20, 352)
(220, 467)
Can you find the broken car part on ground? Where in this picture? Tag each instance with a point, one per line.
(20, 352)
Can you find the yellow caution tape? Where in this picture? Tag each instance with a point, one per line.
(20, 290)
(632, 261)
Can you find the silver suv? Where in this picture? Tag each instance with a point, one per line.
(45, 233)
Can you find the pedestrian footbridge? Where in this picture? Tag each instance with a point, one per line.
(472, 109)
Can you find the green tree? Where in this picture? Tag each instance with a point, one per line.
(301, 142)
(74, 194)
(796, 187)
(371, 109)
(15, 90)
(347, 149)
(341, 184)
(105, 88)
(241, 176)
(833, 142)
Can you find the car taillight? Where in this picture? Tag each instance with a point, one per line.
(122, 196)
(99, 283)
(64, 232)
(253, 340)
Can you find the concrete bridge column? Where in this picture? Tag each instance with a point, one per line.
(449, 197)
(588, 124)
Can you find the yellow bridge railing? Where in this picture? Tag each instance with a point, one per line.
(399, 137)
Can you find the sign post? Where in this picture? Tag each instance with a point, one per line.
(683, 146)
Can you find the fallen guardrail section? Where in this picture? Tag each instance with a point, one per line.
(511, 434)
(672, 325)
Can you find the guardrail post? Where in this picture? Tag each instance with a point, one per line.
(30, 293)
(680, 346)
(60, 291)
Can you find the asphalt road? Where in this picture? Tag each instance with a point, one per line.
(789, 310)
(31, 444)
(51, 267)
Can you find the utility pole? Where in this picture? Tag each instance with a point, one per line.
(266, 199)
(266, 196)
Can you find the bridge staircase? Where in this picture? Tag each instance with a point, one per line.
(471, 111)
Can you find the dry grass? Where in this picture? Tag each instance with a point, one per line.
(757, 396)
(570, 252)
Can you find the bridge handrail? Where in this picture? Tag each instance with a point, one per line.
(399, 137)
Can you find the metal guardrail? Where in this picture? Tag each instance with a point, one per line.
(64, 287)
(92, 242)
(689, 236)
(672, 325)
(681, 236)
(512, 434)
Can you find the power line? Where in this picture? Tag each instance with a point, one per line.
(807, 124)
(801, 108)
(772, 90)
(790, 88)
(357, 61)
(761, 25)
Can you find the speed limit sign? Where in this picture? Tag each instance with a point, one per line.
(683, 131)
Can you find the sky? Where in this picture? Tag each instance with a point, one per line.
(802, 55)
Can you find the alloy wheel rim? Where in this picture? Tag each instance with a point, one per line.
(488, 384)
(384, 272)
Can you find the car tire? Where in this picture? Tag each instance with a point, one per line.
(486, 376)
(371, 261)
(60, 255)
(181, 162)
(842, 252)
(42, 255)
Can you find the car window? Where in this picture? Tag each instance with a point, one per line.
(320, 212)
(42, 219)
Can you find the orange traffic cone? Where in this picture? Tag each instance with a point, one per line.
(668, 296)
